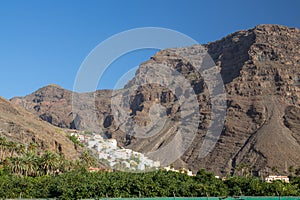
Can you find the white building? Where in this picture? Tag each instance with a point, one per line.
(112, 142)
(92, 143)
(141, 166)
(270, 179)
(103, 155)
(186, 171)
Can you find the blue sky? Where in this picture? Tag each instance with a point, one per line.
(45, 42)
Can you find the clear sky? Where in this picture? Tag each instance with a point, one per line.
(45, 41)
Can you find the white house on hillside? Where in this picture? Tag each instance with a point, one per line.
(270, 179)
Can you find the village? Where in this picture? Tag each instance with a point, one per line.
(124, 159)
(115, 157)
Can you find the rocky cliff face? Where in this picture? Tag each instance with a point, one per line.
(260, 68)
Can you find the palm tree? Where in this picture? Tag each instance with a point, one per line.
(3, 148)
(15, 165)
(50, 162)
(64, 165)
(12, 147)
(87, 159)
(20, 149)
(31, 161)
(32, 147)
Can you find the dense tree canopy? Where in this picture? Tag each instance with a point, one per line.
(28, 174)
(80, 183)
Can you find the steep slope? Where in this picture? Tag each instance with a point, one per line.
(260, 94)
(260, 68)
(19, 125)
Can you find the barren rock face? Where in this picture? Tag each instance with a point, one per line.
(260, 69)
(51, 103)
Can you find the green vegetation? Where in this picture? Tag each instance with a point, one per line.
(21, 160)
(27, 174)
(75, 140)
(88, 132)
(80, 183)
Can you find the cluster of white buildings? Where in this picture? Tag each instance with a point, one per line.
(129, 160)
(117, 158)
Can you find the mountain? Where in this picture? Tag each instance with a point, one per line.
(260, 68)
(21, 126)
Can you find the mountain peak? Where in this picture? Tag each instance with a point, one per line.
(53, 85)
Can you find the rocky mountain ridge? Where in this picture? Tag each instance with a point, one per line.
(260, 69)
